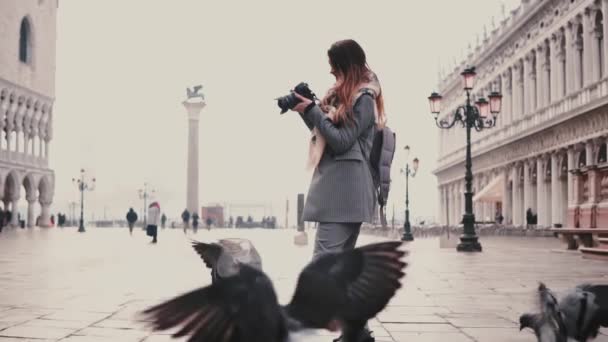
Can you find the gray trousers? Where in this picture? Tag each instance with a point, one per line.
(335, 237)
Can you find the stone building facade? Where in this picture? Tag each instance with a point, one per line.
(547, 153)
(27, 94)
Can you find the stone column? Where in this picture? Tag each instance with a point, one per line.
(45, 214)
(527, 72)
(541, 193)
(506, 203)
(570, 35)
(559, 64)
(555, 190)
(10, 126)
(540, 76)
(605, 35)
(507, 99)
(587, 57)
(527, 186)
(571, 167)
(554, 68)
(31, 205)
(595, 36)
(516, 110)
(517, 212)
(194, 110)
(14, 211)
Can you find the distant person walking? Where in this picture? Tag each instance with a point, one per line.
(163, 220)
(195, 222)
(131, 219)
(185, 219)
(153, 221)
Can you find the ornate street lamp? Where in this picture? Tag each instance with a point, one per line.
(480, 116)
(407, 231)
(83, 185)
(143, 194)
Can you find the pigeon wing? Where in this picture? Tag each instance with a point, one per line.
(209, 252)
(238, 309)
(351, 285)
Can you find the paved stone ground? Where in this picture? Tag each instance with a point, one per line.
(59, 285)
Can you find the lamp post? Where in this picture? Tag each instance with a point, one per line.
(470, 116)
(407, 231)
(143, 194)
(83, 185)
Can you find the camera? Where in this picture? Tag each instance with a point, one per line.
(289, 101)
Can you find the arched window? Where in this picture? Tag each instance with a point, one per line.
(25, 41)
(602, 157)
(579, 49)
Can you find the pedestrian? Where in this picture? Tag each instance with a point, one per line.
(153, 221)
(131, 219)
(52, 219)
(208, 222)
(195, 222)
(342, 196)
(163, 220)
(186, 219)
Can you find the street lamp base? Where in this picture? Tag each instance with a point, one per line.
(468, 243)
(407, 236)
(81, 227)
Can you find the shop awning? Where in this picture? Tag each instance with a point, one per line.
(491, 192)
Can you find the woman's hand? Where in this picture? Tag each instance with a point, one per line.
(302, 105)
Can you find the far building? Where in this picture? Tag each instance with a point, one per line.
(215, 213)
(27, 94)
(549, 59)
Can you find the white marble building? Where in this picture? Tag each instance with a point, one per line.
(549, 59)
(27, 94)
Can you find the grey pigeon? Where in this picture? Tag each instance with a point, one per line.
(577, 316)
(336, 291)
(225, 257)
(547, 324)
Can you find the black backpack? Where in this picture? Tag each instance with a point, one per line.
(381, 158)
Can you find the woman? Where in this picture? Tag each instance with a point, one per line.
(341, 195)
(153, 220)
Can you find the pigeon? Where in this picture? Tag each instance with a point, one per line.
(225, 257)
(337, 291)
(577, 316)
(548, 325)
(584, 310)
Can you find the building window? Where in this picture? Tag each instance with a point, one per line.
(25, 41)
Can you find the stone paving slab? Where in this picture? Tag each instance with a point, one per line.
(59, 285)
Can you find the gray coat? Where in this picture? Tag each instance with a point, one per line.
(342, 189)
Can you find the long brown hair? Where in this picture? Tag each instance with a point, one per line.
(347, 60)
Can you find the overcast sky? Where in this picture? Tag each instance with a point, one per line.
(123, 67)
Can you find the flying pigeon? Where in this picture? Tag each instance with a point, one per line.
(336, 291)
(548, 325)
(577, 316)
(225, 257)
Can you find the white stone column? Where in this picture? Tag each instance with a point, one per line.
(589, 153)
(517, 205)
(605, 35)
(587, 38)
(45, 214)
(516, 110)
(527, 186)
(595, 36)
(571, 166)
(570, 35)
(507, 99)
(540, 193)
(194, 110)
(10, 126)
(31, 205)
(527, 71)
(15, 212)
(555, 190)
(540, 76)
(559, 66)
(506, 203)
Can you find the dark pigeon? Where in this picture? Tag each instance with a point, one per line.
(577, 316)
(225, 257)
(336, 291)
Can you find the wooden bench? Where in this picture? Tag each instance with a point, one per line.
(580, 236)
